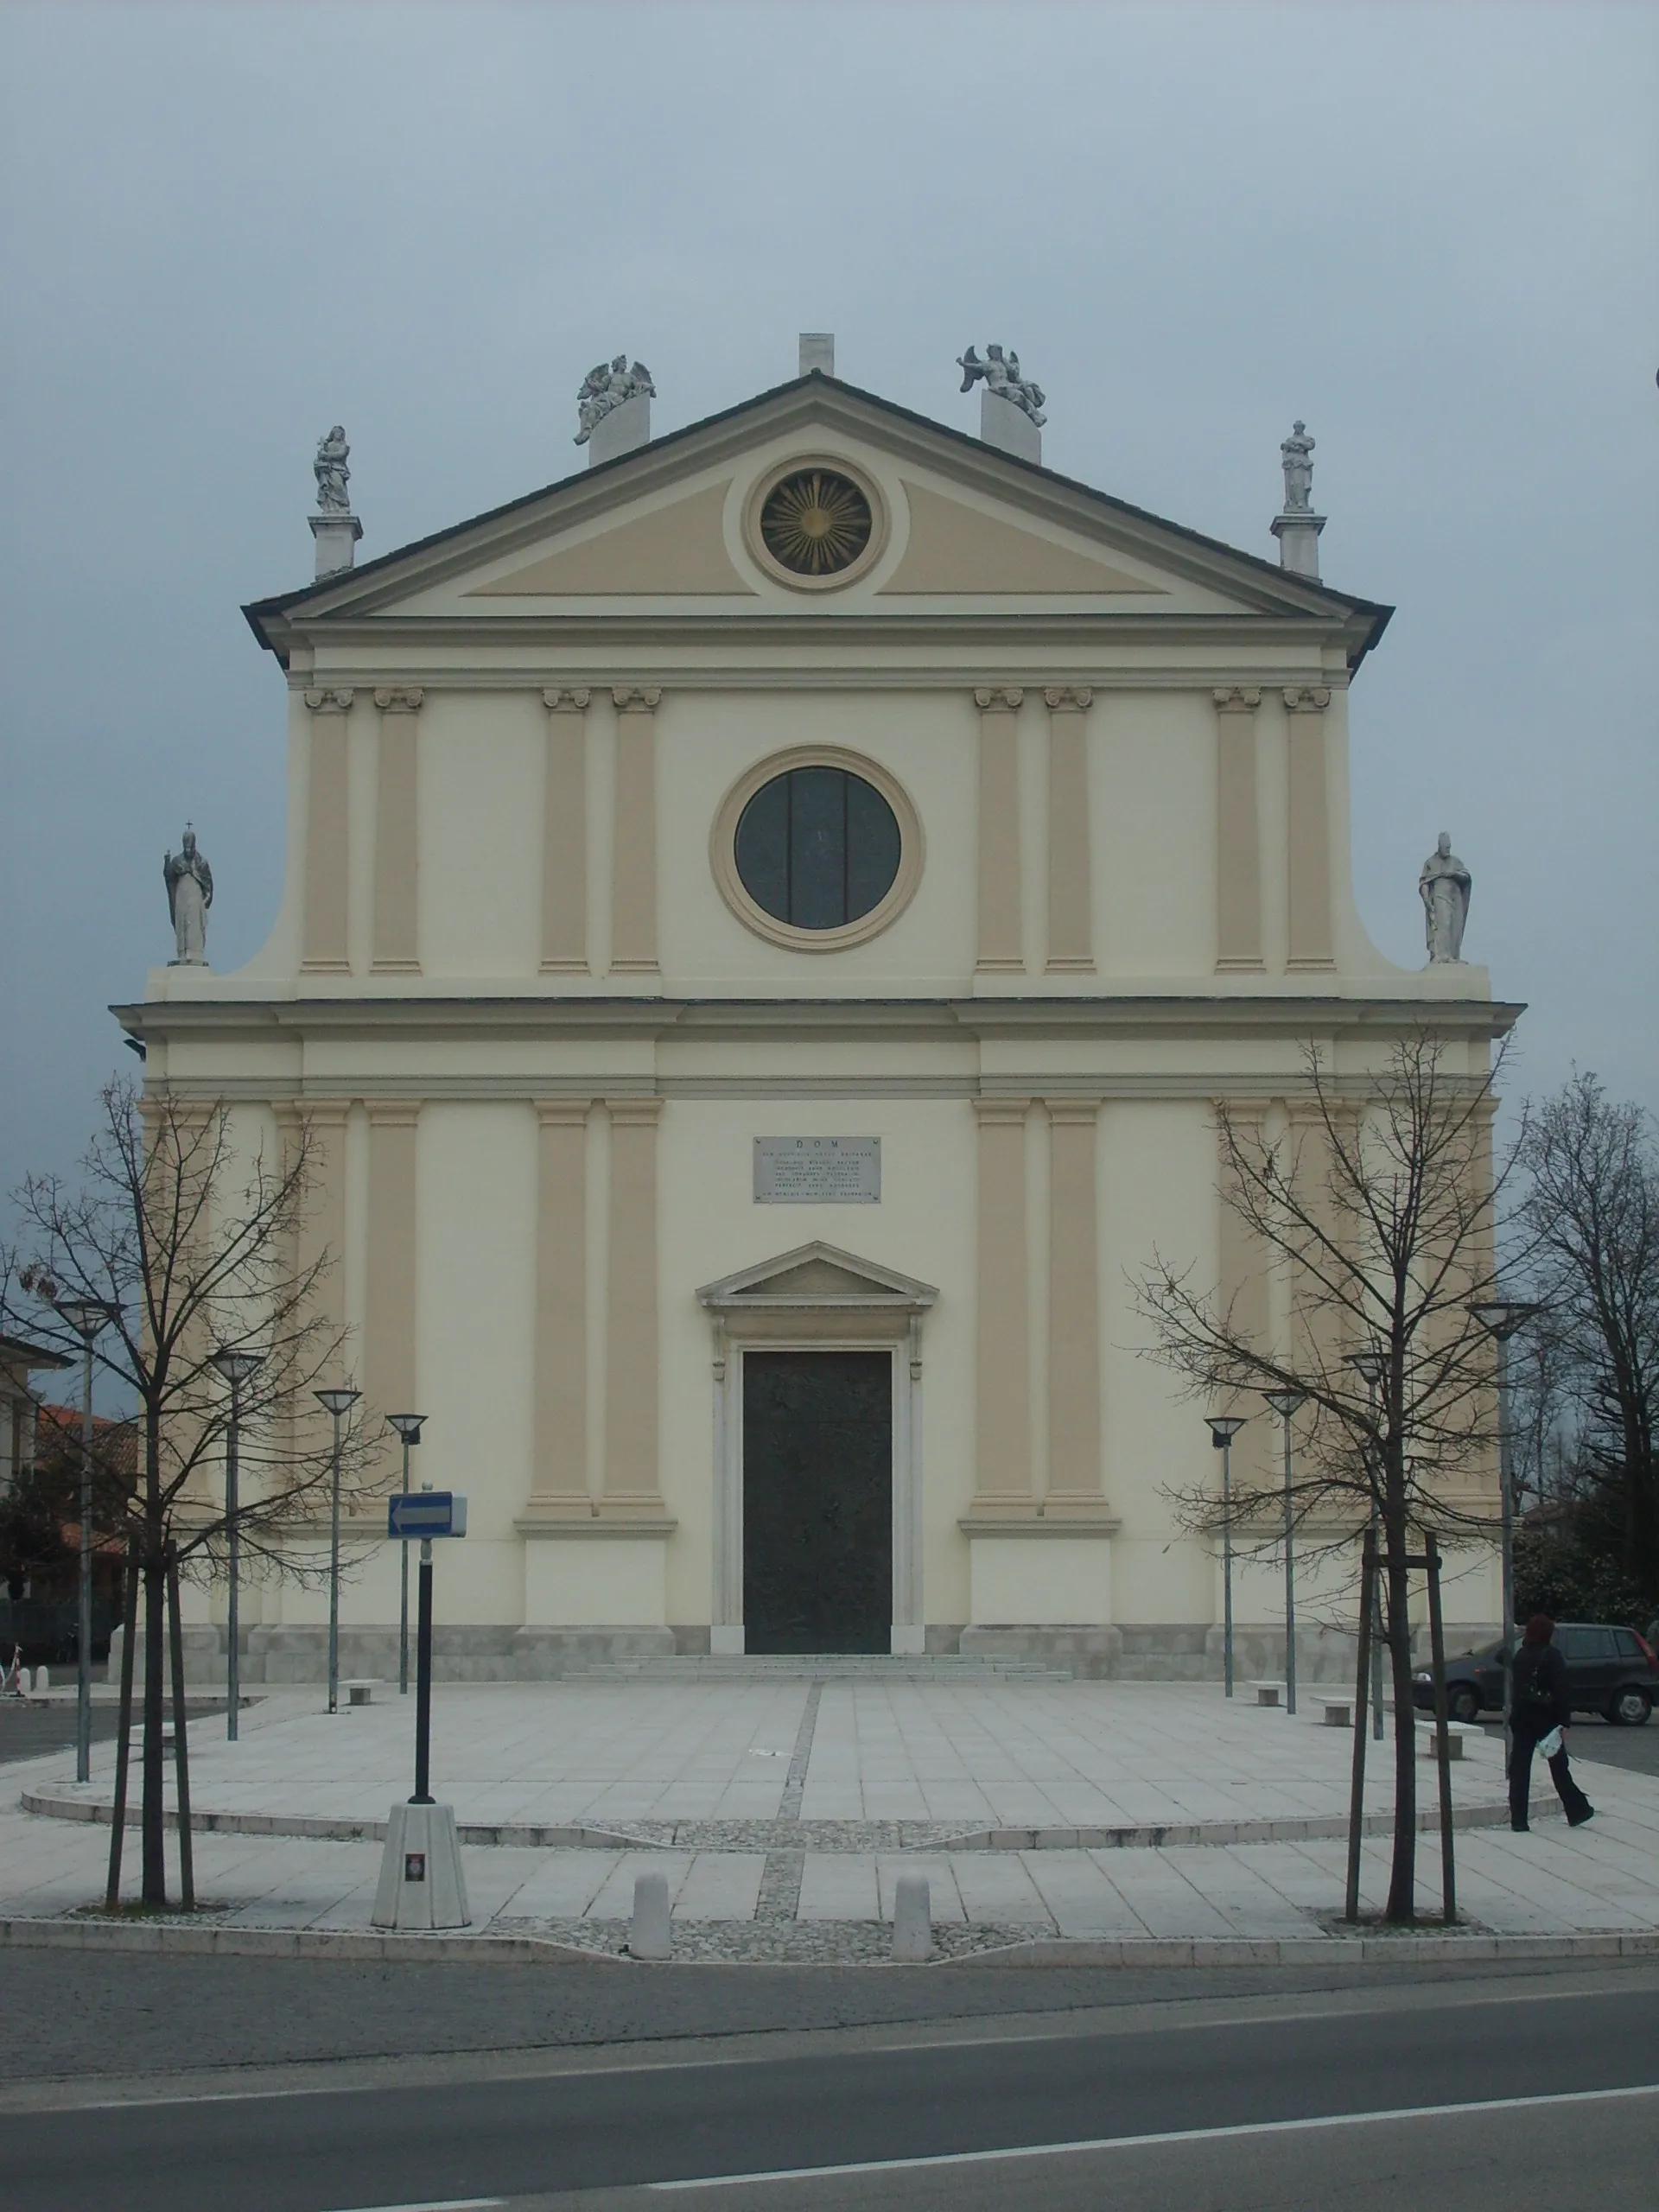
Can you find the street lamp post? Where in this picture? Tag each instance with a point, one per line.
(1502, 1318)
(337, 1403)
(408, 1426)
(1287, 1404)
(236, 1367)
(88, 1318)
(1367, 1365)
(1224, 1427)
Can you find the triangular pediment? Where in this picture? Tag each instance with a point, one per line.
(664, 534)
(817, 1275)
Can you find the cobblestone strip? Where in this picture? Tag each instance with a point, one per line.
(779, 1896)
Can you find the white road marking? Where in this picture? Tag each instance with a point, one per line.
(1145, 2142)
(437, 2204)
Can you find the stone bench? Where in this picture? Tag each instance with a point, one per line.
(1338, 1712)
(362, 1691)
(1457, 1733)
(1268, 1693)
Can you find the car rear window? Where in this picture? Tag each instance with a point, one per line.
(1587, 1642)
(1628, 1645)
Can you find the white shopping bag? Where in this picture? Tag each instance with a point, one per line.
(1551, 1743)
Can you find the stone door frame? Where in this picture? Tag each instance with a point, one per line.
(817, 1298)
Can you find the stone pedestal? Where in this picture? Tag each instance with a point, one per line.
(1299, 543)
(422, 1886)
(336, 535)
(1008, 428)
(622, 430)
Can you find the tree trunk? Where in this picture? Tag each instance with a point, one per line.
(1402, 1872)
(154, 1823)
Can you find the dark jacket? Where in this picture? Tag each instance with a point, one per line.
(1538, 1701)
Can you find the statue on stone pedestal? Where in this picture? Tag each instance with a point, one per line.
(607, 388)
(1444, 888)
(1296, 452)
(190, 883)
(331, 473)
(1000, 372)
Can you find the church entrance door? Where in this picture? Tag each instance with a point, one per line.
(817, 1501)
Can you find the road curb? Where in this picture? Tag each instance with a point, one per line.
(182, 1940)
(1306, 1950)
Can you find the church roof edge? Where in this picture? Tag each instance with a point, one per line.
(258, 613)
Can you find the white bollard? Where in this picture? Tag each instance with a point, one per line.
(43, 1678)
(912, 1918)
(651, 1932)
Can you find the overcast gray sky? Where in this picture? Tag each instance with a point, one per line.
(1430, 231)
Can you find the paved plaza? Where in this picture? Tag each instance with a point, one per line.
(783, 1810)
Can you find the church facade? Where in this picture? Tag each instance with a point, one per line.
(768, 922)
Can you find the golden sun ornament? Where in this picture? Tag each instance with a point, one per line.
(815, 523)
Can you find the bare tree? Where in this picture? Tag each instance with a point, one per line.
(1374, 1209)
(1591, 1207)
(192, 1248)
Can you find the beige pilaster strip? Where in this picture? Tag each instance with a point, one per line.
(561, 1479)
(1318, 1330)
(564, 834)
(1070, 915)
(631, 1481)
(1002, 1382)
(1074, 1466)
(1002, 921)
(1244, 1263)
(389, 1287)
(1238, 838)
(328, 835)
(397, 835)
(320, 1244)
(1309, 829)
(633, 868)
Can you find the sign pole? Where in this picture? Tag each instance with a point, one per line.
(423, 1682)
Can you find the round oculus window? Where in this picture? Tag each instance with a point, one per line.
(815, 523)
(817, 848)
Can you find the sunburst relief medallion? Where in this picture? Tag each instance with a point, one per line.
(815, 523)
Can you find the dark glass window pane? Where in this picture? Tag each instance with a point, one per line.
(871, 847)
(817, 848)
(763, 848)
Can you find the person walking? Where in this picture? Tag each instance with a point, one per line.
(1539, 1711)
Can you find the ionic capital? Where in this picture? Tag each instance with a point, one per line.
(400, 699)
(329, 702)
(997, 703)
(559, 701)
(993, 1113)
(1307, 698)
(635, 699)
(1238, 699)
(1067, 698)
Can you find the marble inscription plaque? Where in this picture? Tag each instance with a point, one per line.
(817, 1171)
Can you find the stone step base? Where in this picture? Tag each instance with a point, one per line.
(821, 1667)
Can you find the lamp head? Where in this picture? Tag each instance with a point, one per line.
(236, 1365)
(337, 1402)
(1503, 1317)
(1224, 1427)
(1367, 1365)
(87, 1317)
(408, 1426)
(1286, 1403)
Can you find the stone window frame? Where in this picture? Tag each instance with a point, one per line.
(722, 849)
(767, 482)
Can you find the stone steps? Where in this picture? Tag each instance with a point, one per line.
(818, 1667)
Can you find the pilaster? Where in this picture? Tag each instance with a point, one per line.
(1238, 840)
(1309, 829)
(560, 1491)
(397, 835)
(1071, 904)
(632, 1485)
(328, 835)
(1075, 1479)
(390, 1260)
(633, 872)
(1001, 946)
(564, 834)
(1002, 1382)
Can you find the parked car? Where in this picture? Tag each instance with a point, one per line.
(1612, 1671)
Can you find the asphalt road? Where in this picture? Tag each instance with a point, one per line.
(29, 1730)
(547, 2127)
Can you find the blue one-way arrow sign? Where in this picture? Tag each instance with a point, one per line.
(426, 1513)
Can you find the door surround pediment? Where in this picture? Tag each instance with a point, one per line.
(820, 1280)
